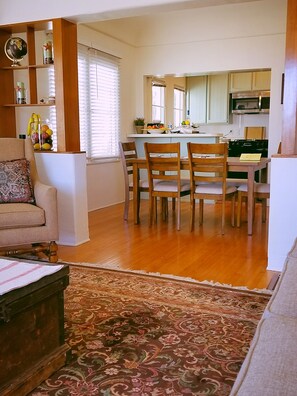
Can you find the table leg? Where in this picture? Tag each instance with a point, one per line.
(250, 188)
(135, 194)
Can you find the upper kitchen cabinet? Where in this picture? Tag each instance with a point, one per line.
(64, 34)
(197, 98)
(250, 81)
(261, 80)
(207, 98)
(217, 98)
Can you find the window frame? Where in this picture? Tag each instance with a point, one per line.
(181, 110)
(161, 106)
(99, 78)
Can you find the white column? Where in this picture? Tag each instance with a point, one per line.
(67, 172)
(282, 210)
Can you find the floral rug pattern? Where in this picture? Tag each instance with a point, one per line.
(141, 335)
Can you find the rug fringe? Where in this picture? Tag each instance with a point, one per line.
(212, 283)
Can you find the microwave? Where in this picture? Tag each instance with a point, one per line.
(250, 102)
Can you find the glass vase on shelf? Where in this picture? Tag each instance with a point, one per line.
(41, 135)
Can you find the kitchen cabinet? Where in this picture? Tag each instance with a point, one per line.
(217, 98)
(66, 79)
(250, 81)
(261, 81)
(196, 99)
(207, 98)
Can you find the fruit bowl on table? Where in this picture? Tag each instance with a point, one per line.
(156, 130)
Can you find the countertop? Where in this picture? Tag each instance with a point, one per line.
(174, 135)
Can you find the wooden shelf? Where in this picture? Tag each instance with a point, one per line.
(16, 68)
(28, 105)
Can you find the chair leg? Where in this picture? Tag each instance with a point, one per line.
(155, 209)
(201, 205)
(178, 214)
(223, 216)
(151, 210)
(232, 211)
(138, 204)
(192, 216)
(126, 207)
(264, 210)
(173, 204)
(239, 202)
(164, 208)
(52, 252)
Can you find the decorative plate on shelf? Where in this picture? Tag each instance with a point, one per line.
(15, 49)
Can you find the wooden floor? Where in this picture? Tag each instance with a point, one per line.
(234, 258)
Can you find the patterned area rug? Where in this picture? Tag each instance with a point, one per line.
(141, 335)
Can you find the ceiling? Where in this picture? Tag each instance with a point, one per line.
(114, 23)
(117, 13)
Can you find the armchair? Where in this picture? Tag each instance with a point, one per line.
(28, 208)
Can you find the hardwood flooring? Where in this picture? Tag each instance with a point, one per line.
(234, 258)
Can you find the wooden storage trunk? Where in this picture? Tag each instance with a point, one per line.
(32, 345)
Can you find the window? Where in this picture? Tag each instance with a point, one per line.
(99, 103)
(179, 106)
(158, 101)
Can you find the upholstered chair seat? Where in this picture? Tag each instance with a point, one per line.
(21, 215)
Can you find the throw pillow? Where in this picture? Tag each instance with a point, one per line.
(15, 182)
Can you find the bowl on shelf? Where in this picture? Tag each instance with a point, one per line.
(156, 130)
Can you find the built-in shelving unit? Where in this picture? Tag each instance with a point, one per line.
(66, 79)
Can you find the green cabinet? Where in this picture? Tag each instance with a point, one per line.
(197, 98)
(217, 99)
(207, 99)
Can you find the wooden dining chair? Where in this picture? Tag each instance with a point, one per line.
(208, 173)
(261, 192)
(128, 152)
(164, 175)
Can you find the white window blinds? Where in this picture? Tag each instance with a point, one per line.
(158, 100)
(99, 103)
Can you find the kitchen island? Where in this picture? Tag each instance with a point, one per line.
(183, 138)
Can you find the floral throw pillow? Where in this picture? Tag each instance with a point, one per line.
(15, 182)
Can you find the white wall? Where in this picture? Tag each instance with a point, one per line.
(283, 211)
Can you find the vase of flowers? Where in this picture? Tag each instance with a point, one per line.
(139, 124)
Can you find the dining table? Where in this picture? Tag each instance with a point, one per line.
(235, 164)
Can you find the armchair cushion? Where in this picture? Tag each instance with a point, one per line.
(16, 215)
(15, 181)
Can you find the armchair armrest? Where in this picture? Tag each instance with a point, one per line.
(46, 198)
